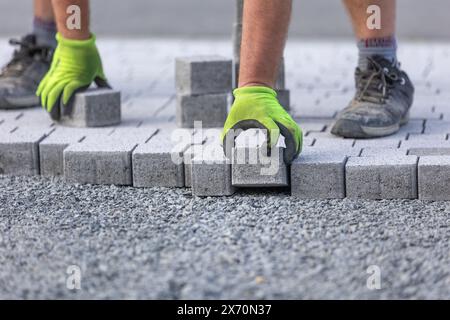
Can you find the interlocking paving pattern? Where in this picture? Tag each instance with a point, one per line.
(320, 79)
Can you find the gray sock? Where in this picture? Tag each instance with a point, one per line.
(45, 32)
(385, 47)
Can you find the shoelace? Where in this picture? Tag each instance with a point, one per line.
(375, 83)
(24, 56)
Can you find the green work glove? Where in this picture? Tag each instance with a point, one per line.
(258, 107)
(76, 64)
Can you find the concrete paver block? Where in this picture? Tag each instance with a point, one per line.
(101, 159)
(252, 167)
(19, 151)
(51, 150)
(211, 173)
(93, 108)
(210, 109)
(377, 143)
(437, 127)
(318, 176)
(159, 162)
(378, 151)
(382, 177)
(334, 142)
(434, 178)
(426, 147)
(203, 75)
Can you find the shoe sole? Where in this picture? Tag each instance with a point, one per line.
(19, 102)
(352, 129)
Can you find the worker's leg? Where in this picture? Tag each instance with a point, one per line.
(265, 28)
(384, 93)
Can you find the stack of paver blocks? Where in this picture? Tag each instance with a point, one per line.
(280, 85)
(204, 84)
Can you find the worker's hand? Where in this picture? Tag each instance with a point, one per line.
(76, 64)
(258, 107)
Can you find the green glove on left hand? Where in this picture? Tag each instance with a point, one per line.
(258, 107)
(76, 64)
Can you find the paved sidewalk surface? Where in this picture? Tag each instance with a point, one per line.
(164, 243)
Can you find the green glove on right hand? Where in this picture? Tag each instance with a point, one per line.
(258, 107)
(76, 64)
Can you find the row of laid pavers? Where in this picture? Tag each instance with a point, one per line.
(147, 157)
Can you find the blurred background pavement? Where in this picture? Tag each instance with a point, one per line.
(418, 19)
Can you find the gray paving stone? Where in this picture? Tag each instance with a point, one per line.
(210, 109)
(382, 177)
(437, 127)
(425, 146)
(51, 149)
(203, 75)
(19, 151)
(192, 152)
(211, 173)
(93, 108)
(207, 137)
(317, 175)
(312, 126)
(102, 159)
(332, 151)
(159, 162)
(434, 178)
(377, 151)
(252, 167)
(331, 142)
(376, 143)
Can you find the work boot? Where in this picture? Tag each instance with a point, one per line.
(20, 78)
(384, 96)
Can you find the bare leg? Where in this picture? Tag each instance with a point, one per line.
(61, 8)
(43, 10)
(265, 28)
(357, 10)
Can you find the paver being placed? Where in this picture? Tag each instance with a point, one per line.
(318, 175)
(210, 109)
(434, 178)
(101, 159)
(92, 108)
(203, 75)
(252, 167)
(159, 162)
(382, 177)
(211, 173)
(19, 150)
